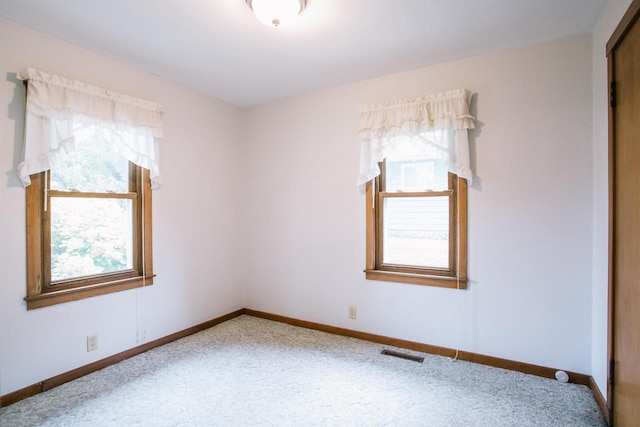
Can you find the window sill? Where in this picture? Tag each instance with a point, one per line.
(49, 298)
(416, 279)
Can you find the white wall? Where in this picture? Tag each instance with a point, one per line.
(195, 220)
(601, 34)
(530, 221)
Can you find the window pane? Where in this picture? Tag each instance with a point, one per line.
(415, 167)
(94, 165)
(416, 231)
(90, 236)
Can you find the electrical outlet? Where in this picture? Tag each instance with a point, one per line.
(92, 342)
(352, 312)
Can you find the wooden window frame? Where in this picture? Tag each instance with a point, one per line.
(41, 291)
(453, 277)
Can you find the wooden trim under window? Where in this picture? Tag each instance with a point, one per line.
(416, 279)
(65, 295)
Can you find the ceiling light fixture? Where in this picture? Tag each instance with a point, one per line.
(274, 13)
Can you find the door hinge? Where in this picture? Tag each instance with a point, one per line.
(612, 94)
(612, 365)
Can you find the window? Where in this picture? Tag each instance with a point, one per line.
(414, 165)
(88, 227)
(89, 165)
(416, 220)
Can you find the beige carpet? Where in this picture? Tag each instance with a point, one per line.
(254, 372)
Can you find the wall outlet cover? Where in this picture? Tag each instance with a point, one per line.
(92, 342)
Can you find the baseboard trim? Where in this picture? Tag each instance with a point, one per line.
(52, 382)
(527, 368)
(602, 403)
(18, 395)
(497, 362)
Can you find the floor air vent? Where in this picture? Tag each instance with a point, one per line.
(403, 355)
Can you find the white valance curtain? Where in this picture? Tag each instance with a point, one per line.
(57, 108)
(439, 120)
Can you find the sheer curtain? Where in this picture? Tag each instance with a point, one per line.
(59, 108)
(439, 121)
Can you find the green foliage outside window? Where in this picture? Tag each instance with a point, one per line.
(90, 235)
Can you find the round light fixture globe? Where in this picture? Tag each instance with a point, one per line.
(274, 13)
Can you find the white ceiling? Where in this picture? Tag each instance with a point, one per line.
(219, 48)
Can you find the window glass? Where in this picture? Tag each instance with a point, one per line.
(416, 231)
(415, 167)
(93, 166)
(90, 236)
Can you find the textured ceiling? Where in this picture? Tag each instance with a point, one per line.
(219, 48)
